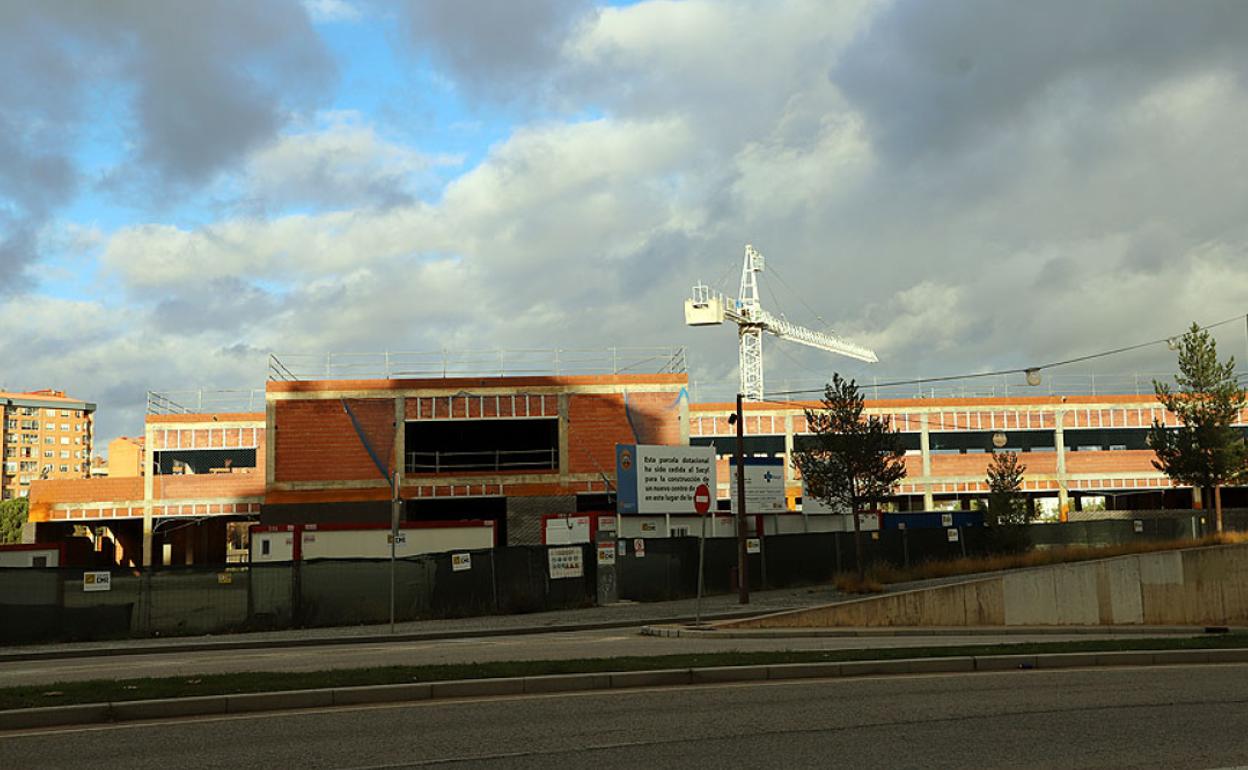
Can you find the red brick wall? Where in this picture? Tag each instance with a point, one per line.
(316, 441)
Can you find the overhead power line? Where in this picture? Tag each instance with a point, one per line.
(1026, 370)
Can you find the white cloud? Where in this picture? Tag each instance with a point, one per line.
(1060, 228)
(342, 163)
(332, 11)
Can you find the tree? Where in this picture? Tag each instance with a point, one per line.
(1007, 514)
(852, 460)
(12, 517)
(1006, 504)
(1204, 450)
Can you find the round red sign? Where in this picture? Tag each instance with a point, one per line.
(702, 499)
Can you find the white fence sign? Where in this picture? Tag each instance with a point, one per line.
(461, 562)
(565, 562)
(97, 581)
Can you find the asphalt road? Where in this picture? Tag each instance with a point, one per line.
(554, 646)
(1174, 717)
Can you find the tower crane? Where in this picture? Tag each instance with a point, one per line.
(708, 307)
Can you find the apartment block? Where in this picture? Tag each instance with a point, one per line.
(44, 434)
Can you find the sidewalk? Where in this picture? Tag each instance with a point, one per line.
(619, 615)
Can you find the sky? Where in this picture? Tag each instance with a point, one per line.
(964, 186)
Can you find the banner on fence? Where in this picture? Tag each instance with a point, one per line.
(461, 562)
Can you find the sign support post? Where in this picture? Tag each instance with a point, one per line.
(702, 504)
(743, 575)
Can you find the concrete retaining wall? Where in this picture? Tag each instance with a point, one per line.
(1198, 586)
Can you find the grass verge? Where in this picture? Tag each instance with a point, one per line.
(101, 691)
(880, 575)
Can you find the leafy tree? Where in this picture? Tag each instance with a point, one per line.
(1007, 513)
(12, 517)
(1006, 504)
(851, 460)
(1204, 450)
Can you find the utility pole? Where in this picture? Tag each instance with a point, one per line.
(743, 570)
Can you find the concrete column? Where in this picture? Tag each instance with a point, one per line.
(149, 474)
(1059, 441)
(789, 475)
(925, 447)
(270, 442)
(400, 440)
(563, 437)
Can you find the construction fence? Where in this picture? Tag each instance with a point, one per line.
(57, 604)
(43, 605)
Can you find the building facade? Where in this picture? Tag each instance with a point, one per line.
(1073, 447)
(44, 434)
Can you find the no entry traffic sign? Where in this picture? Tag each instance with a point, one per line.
(702, 499)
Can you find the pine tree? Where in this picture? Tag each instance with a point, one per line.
(1006, 504)
(1204, 450)
(852, 460)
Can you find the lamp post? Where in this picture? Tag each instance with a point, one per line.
(743, 581)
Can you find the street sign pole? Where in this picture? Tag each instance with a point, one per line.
(743, 575)
(697, 612)
(394, 541)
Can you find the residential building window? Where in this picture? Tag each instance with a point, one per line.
(49, 426)
(64, 426)
(49, 453)
(64, 412)
(64, 439)
(50, 412)
(49, 440)
(64, 469)
(64, 454)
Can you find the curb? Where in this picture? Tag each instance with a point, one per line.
(674, 630)
(173, 646)
(96, 713)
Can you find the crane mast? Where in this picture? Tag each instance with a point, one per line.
(708, 308)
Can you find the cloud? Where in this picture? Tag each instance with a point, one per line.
(332, 11)
(188, 89)
(343, 164)
(959, 216)
(494, 47)
(939, 77)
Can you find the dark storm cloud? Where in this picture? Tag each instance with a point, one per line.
(493, 46)
(216, 80)
(934, 77)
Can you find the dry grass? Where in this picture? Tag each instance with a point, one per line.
(883, 574)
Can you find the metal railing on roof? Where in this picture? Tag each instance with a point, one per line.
(476, 363)
(204, 401)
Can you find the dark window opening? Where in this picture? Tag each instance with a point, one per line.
(264, 546)
(482, 445)
(595, 501)
(197, 461)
